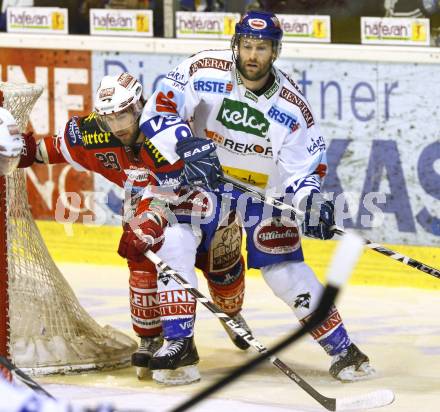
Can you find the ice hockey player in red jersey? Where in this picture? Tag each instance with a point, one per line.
(108, 141)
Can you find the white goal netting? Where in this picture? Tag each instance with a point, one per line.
(47, 330)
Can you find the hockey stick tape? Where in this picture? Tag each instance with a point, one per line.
(344, 260)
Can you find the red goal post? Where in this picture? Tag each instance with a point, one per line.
(43, 327)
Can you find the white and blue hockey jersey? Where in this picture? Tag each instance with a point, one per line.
(270, 141)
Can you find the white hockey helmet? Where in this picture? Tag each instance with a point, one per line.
(11, 143)
(118, 103)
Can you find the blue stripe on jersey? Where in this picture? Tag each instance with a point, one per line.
(167, 125)
(312, 181)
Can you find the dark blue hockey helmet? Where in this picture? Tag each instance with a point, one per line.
(259, 25)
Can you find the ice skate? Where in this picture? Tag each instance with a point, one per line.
(237, 339)
(351, 365)
(141, 358)
(175, 363)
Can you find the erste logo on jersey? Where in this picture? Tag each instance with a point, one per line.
(215, 86)
(240, 148)
(165, 103)
(284, 118)
(242, 118)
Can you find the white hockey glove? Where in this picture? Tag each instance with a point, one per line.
(11, 143)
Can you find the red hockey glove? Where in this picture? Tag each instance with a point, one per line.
(143, 233)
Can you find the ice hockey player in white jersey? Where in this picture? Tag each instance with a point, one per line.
(234, 112)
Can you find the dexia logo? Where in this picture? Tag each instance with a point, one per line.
(243, 118)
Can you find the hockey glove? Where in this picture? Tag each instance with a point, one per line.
(201, 165)
(143, 233)
(319, 217)
(11, 143)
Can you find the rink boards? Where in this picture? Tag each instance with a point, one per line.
(98, 245)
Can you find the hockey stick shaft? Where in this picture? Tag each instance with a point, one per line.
(319, 316)
(23, 377)
(406, 260)
(337, 277)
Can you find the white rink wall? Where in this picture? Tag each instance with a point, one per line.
(377, 107)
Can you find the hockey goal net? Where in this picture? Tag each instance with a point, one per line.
(43, 328)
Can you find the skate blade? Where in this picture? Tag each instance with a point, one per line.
(350, 374)
(141, 372)
(180, 376)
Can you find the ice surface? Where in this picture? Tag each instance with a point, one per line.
(397, 327)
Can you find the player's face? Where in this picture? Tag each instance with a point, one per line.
(255, 57)
(124, 125)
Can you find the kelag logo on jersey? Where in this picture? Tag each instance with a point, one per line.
(212, 86)
(285, 119)
(243, 118)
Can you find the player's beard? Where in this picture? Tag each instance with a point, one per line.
(256, 74)
(128, 137)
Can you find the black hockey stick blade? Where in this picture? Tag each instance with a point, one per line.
(278, 204)
(23, 377)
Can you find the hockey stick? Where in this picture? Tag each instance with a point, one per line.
(406, 260)
(343, 263)
(23, 377)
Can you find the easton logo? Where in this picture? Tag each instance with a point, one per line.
(243, 118)
(303, 300)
